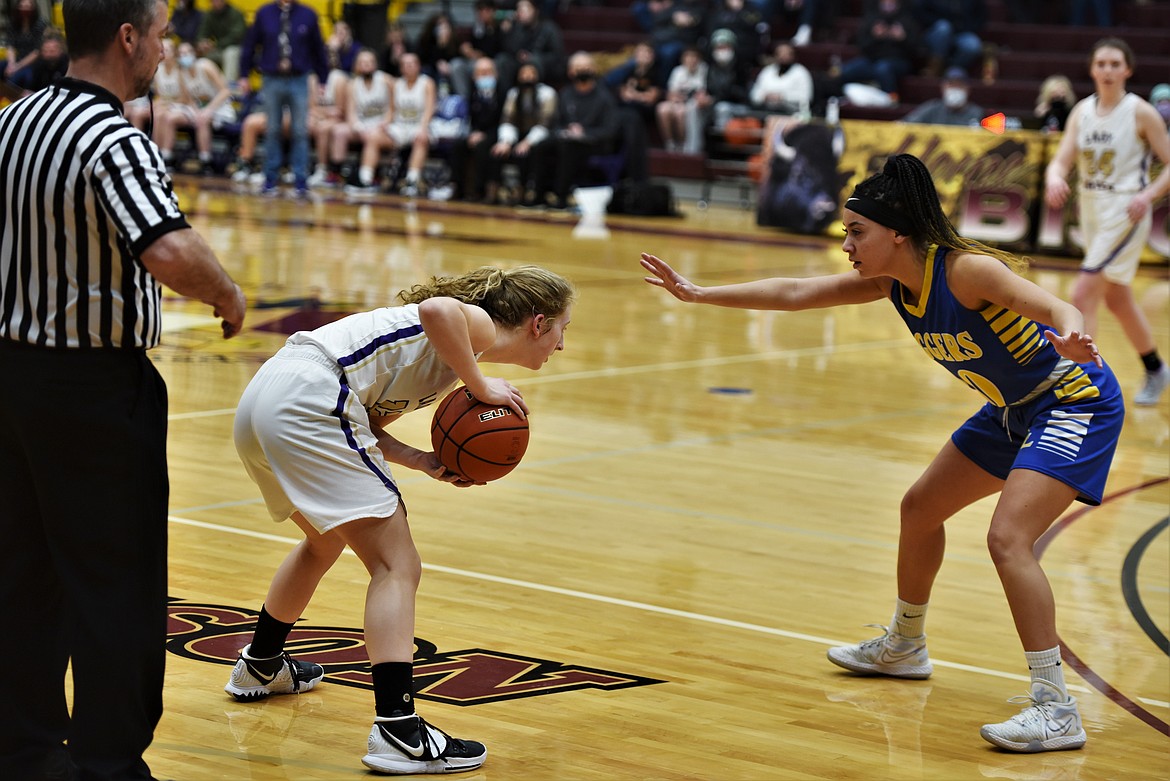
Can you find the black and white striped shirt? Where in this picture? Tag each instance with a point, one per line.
(82, 194)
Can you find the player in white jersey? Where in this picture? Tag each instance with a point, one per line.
(204, 103)
(310, 429)
(406, 125)
(325, 113)
(1110, 136)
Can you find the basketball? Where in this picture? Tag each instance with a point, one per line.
(482, 442)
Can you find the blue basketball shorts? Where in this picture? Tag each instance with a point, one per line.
(1072, 442)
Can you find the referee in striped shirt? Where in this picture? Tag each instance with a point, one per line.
(89, 230)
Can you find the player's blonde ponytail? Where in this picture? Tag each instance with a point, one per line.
(510, 296)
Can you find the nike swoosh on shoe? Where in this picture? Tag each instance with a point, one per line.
(264, 679)
(414, 751)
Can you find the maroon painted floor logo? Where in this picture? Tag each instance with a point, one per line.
(216, 633)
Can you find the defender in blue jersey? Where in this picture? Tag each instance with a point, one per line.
(1045, 437)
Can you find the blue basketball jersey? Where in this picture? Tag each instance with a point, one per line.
(996, 351)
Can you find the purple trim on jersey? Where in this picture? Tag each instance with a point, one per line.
(1112, 256)
(372, 347)
(339, 413)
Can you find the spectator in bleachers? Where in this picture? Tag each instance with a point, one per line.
(529, 111)
(26, 29)
(1102, 12)
(52, 62)
(285, 43)
(342, 47)
(726, 93)
(529, 38)
(483, 40)
(1160, 99)
(675, 25)
(328, 107)
(437, 48)
(784, 86)
(950, 32)
(185, 21)
(952, 107)
(587, 123)
(396, 46)
(742, 18)
(204, 104)
(367, 108)
(405, 126)
(1054, 102)
(889, 40)
(678, 112)
(804, 13)
(484, 111)
(638, 90)
(220, 35)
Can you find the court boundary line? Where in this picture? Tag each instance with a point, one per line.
(626, 603)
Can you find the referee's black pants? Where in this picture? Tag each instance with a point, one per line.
(83, 560)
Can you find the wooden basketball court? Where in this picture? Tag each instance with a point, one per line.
(709, 501)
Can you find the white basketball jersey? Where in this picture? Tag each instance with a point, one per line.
(198, 85)
(388, 360)
(1112, 156)
(167, 85)
(409, 101)
(372, 99)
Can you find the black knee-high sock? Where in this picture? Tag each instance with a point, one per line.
(268, 639)
(393, 689)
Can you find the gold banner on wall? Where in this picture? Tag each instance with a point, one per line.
(991, 186)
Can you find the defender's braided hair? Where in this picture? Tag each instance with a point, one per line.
(509, 296)
(905, 186)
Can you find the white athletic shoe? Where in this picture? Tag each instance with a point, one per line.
(406, 745)
(253, 679)
(319, 178)
(1155, 384)
(1046, 725)
(889, 654)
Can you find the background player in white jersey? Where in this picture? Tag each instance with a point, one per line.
(407, 125)
(310, 429)
(1110, 136)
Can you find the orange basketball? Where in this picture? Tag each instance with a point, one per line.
(482, 442)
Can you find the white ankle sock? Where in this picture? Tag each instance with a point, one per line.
(366, 175)
(909, 619)
(1046, 666)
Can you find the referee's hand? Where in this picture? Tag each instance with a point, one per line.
(232, 313)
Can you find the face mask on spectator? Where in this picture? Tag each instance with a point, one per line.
(723, 55)
(485, 83)
(954, 97)
(1164, 110)
(186, 60)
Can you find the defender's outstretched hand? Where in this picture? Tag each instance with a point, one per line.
(1076, 347)
(667, 278)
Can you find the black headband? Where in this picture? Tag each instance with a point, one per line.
(881, 214)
